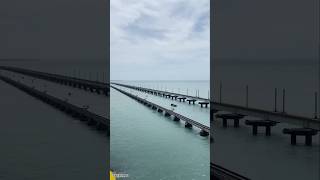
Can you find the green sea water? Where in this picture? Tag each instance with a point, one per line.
(146, 145)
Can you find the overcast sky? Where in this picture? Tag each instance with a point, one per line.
(159, 40)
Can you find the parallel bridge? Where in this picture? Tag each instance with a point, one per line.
(205, 130)
(93, 86)
(100, 122)
(268, 115)
(154, 91)
(264, 114)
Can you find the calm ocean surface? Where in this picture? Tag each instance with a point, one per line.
(146, 145)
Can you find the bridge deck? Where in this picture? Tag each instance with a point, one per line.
(61, 104)
(162, 92)
(181, 117)
(54, 77)
(269, 115)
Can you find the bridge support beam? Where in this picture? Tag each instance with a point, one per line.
(204, 133)
(294, 132)
(188, 125)
(264, 123)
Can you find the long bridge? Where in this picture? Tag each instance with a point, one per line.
(83, 114)
(205, 130)
(271, 115)
(309, 126)
(164, 93)
(216, 106)
(93, 86)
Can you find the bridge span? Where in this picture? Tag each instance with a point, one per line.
(263, 114)
(205, 130)
(163, 93)
(267, 115)
(93, 86)
(92, 119)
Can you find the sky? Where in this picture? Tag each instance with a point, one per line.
(159, 40)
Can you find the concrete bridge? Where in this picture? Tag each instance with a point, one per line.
(92, 119)
(93, 86)
(309, 126)
(268, 115)
(205, 130)
(174, 96)
(264, 114)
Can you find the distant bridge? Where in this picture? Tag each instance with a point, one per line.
(181, 97)
(93, 86)
(205, 130)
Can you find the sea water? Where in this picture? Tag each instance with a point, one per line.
(147, 145)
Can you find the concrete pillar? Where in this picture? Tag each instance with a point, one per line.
(188, 125)
(268, 130)
(293, 139)
(254, 130)
(204, 133)
(308, 140)
(236, 123)
(225, 122)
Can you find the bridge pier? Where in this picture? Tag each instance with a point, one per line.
(204, 104)
(191, 100)
(160, 110)
(264, 123)
(188, 125)
(234, 117)
(204, 133)
(174, 97)
(294, 132)
(166, 114)
(176, 119)
(183, 99)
